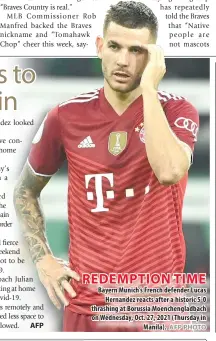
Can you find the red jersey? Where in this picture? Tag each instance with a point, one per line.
(121, 219)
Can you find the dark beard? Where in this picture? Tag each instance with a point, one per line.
(126, 90)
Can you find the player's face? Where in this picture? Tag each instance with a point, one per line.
(123, 56)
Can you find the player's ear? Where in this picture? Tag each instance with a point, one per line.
(99, 44)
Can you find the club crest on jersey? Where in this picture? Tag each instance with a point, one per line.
(140, 130)
(117, 142)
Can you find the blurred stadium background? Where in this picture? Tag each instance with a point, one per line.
(62, 78)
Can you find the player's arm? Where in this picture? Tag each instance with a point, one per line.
(45, 158)
(29, 212)
(53, 272)
(168, 156)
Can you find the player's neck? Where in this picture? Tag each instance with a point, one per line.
(120, 101)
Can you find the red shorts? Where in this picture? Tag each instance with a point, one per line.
(74, 322)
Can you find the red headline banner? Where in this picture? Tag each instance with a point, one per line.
(144, 278)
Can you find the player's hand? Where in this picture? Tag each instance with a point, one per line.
(54, 274)
(155, 68)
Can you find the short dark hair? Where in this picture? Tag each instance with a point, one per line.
(131, 14)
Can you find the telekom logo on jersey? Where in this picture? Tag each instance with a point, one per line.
(129, 192)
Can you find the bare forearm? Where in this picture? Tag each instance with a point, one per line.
(165, 153)
(30, 216)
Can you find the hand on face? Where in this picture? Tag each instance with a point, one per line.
(155, 68)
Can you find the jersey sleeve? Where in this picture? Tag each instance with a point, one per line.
(184, 120)
(47, 150)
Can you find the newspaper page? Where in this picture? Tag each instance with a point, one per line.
(106, 185)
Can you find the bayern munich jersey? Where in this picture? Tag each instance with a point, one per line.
(121, 219)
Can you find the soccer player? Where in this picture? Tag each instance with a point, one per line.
(129, 148)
